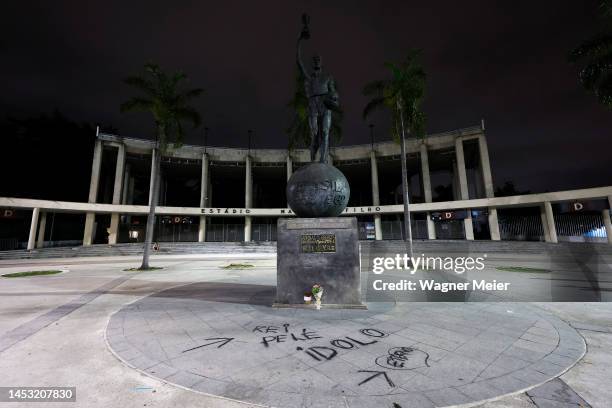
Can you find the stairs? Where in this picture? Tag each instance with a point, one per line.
(166, 248)
(437, 247)
(484, 246)
(499, 249)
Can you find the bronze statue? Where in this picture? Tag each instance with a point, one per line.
(322, 98)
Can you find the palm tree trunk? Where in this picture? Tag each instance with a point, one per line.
(154, 198)
(407, 226)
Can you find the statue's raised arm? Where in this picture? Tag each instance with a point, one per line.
(304, 35)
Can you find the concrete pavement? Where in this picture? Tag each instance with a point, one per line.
(69, 349)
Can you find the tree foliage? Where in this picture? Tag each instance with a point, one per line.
(594, 59)
(402, 94)
(161, 96)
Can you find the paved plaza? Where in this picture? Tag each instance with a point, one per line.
(195, 334)
(224, 339)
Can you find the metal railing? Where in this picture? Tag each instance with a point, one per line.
(263, 232)
(580, 227)
(521, 228)
(225, 232)
(8, 244)
(394, 230)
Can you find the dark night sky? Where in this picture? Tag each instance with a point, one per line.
(501, 61)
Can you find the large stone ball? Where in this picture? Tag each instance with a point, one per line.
(318, 190)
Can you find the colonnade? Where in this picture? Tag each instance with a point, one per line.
(120, 188)
(482, 195)
(39, 218)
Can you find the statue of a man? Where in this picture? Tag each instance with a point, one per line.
(322, 98)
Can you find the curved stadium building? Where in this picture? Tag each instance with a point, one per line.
(243, 192)
(228, 194)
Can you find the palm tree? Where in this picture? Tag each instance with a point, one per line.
(594, 57)
(169, 106)
(402, 94)
(299, 129)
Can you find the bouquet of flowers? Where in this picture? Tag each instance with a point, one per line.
(308, 297)
(317, 292)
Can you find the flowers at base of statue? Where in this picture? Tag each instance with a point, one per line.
(307, 297)
(317, 292)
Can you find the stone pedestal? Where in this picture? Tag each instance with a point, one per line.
(318, 250)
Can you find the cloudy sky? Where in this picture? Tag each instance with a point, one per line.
(505, 62)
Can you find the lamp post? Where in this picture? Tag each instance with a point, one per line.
(205, 137)
(250, 132)
(371, 126)
(405, 188)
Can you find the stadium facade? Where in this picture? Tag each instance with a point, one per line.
(231, 194)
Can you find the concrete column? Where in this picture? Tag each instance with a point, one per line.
(375, 195)
(247, 229)
(117, 190)
(209, 201)
(544, 223)
(606, 217)
(468, 226)
(126, 184)
(95, 172)
(40, 242)
(248, 187)
(426, 179)
(202, 229)
(487, 181)
(494, 224)
(550, 223)
(203, 197)
(431, 227)
(33, 225)
(118, 186)
(378, 227)
(93, 192)
(461, 173)
(153, 156)
(129, 198)
(113, 230)
(90, 220)
(289, 167)
(463, 188)
(485, 165)
(248, 199)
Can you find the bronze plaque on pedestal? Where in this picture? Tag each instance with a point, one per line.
(318, 243)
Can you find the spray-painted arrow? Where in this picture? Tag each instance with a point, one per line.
(222, 340)
(376, 374)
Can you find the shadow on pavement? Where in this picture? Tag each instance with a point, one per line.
(260, 295)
